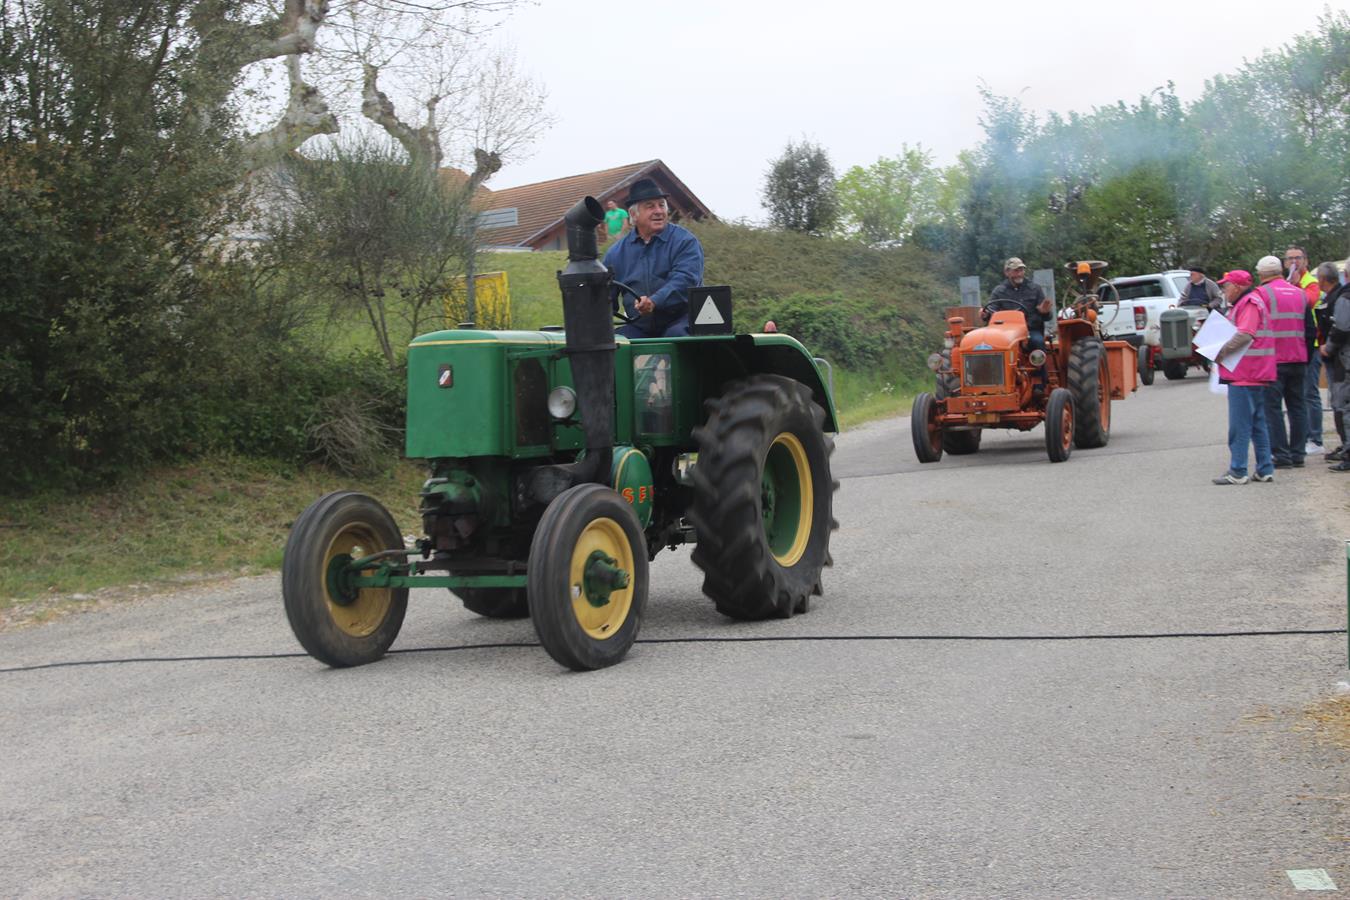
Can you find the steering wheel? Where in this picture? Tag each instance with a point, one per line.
(1000, 305)
(619, 314)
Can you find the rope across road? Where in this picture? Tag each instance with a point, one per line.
(751, 639)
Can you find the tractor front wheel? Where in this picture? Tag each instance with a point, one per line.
(1059, 425)
(1174, 369)
(587, 581)
(763, 496)
(923, 428)
(336, 624)
(1089, 380)
(1145, 365)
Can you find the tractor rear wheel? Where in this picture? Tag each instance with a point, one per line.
(340, 627)
(1174, 369)
(587, 581)
(1145, 365)
(1090, 383)
(763, 498)
(495, 603)
(962, 443)
(923, 428)
(1059, 425)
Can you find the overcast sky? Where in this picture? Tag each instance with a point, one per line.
(715, 88)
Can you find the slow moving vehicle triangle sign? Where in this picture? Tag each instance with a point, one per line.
(709, 315)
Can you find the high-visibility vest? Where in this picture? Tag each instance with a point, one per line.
(1258, 363)
(1288, 306)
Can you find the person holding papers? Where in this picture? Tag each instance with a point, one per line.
(1251, 354)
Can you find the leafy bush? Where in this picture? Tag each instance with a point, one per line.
(849, 332)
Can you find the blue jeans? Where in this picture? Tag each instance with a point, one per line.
(1312, 394)
(1247, 425)
(677, 328)
(1291, 446)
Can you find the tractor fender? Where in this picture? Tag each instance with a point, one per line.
(782, 354)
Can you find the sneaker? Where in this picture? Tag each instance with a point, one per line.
(1285, 464)
(1342, 466)
(1230, 478)
(1263, 479)
(1313, 449)
(1298, 464)
(1335, 455)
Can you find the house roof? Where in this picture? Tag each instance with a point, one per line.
(541, 206)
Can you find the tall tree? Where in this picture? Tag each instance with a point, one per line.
(799, 190)
(882, 203)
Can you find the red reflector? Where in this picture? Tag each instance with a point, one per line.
(1140, 317)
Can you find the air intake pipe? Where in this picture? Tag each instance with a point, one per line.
(588, 322)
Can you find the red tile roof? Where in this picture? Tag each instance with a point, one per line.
(541, 206)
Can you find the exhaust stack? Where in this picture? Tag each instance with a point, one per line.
(590, 347)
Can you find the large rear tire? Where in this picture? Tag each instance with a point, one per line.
(763, 498)
(585, 614)
(1090, 383)
(335, 627)
(962, 443)
(928, 437)
(495, 603)
(1059, 425)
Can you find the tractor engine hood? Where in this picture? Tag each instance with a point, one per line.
(1005, 330)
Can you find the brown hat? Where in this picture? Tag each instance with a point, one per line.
(1013, 263)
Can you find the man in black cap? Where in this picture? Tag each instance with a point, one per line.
(1200, 290)
(660, 261)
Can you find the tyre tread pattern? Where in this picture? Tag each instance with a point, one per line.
(1085, 366)
(740, 575)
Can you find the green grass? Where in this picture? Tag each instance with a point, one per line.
(861, 397)
(221, 515)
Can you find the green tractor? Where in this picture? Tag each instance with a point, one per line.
(561, 462)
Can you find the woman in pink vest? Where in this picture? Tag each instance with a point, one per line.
(1247, 380)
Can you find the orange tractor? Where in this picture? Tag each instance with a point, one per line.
(987, 378)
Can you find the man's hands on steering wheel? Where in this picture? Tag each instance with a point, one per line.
(638, 300)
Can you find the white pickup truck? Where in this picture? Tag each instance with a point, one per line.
(1143, 299)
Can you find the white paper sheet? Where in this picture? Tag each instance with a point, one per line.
(1211, 337)
(1215, 385)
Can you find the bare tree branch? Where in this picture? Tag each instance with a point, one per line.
(306, 115)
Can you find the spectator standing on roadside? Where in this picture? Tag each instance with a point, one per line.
(1296, 259)
(616, 219)
(1247, 380)
(1289, 319)
(1201, 290)
(1334, 348)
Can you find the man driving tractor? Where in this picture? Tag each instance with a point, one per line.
(1016, 292)
(660, 261)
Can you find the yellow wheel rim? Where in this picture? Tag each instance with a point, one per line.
(363, 615)
(788, 499)
(606, 536)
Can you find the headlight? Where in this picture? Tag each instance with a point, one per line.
(935, 361)
(1037, 358)
(562, 402)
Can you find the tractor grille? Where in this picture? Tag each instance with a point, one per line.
(982, 369)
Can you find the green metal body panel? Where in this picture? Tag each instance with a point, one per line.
(480, 393)
(631, 476)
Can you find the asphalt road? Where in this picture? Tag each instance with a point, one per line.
(922, 764)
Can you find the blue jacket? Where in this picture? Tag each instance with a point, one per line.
(664, 268)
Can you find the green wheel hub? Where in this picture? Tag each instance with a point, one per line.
(786, 499)
(603, 577)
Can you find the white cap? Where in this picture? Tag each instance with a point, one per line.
(1269, 265)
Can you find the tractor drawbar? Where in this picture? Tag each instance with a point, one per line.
(587, 320)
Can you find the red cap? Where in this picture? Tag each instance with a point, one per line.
(1240, 277)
